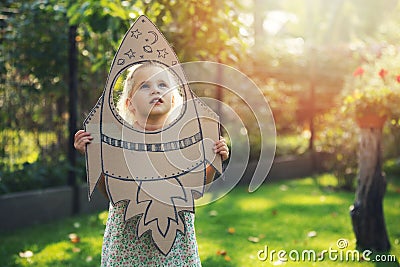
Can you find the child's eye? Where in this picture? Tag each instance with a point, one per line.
(145, 86)
(162, 85)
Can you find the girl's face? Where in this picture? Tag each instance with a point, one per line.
(152, 93)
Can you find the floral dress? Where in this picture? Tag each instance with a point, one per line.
(121, 247)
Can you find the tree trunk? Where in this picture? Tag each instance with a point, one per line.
(367, 212)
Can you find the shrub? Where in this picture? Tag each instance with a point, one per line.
(38, 175)
(374, 87)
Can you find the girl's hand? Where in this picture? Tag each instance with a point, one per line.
(221, 148)
(82, 138)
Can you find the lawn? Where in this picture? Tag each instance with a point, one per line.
(300, 217)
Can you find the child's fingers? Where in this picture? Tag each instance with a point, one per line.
(224, 154)
(221, 140)
(221, 149)
(81, 134)
(219, 145)
(82, 138)
(85, 140)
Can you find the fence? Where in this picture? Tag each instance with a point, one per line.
(24, 209)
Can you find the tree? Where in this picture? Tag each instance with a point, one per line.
(35, 70)
(367, 211)
(34, 56)
(373, 97)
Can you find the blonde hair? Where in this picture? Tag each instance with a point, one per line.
(127, 92)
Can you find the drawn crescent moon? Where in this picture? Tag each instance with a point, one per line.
(155, 37)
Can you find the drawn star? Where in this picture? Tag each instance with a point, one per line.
(130, 53)
(136, 33)
(162, 53)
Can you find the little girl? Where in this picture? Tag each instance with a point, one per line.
(148, 100)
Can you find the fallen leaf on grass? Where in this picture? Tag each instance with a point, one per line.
(76, 250)
(74, 238)
(283, 187)
(231, 230)
(221, 252)
(26, 254)
(274, 212)
(253, 239)
(224, 253)
(278, 262)
(213, 213)
(312, 234)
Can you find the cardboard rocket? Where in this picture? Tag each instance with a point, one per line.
(160, 172)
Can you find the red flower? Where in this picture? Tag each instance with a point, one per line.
(358, 72)
(383, 73)
(398, 78)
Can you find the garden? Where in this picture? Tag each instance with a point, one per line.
(296, 215)
(329, 73)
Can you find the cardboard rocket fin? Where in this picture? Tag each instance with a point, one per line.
(210, 127)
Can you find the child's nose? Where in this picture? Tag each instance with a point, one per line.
(155, 90)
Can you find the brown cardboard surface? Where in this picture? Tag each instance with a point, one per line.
(157, 172)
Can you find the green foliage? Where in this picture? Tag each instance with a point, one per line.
(34, 57)
(291, 145)
(392, 167)
(337, 137)
(33, 60)
(284, 103)
(207, 30)
(375, 86)
(40, 35)
(19, 147)
(40, 174)
(35, 63)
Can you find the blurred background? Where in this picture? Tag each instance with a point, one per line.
(303, 54)
(321, 65)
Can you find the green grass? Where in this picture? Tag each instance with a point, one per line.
(278, 215)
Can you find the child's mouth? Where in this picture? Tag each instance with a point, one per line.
(156, 100)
